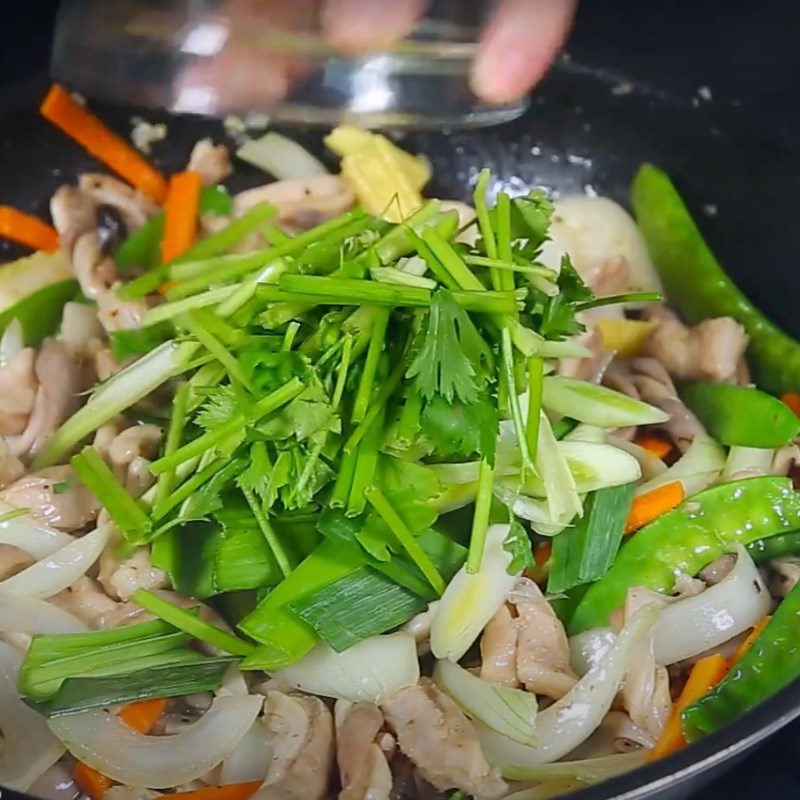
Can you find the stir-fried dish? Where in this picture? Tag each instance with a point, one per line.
(324, 489)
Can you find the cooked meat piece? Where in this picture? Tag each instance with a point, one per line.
(13, 560)
(587, 369)
(301, 203)
(542, 648)
(499, 649)
(440, 740)
(645, 693)
(129, 452)
(18, 386)
(121, 578)
(718, 569)
(212, 162)
(96, 273)
(74, 214)
(81, 331)
(89, 603)
(525, 644)
(55, 496)
(647, 379)
(60, 383)
(115, 314)
(363, 769)
(134, 206)
(785, 575)
(303, 757)
(709, 351)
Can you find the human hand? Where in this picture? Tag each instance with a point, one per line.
(516, 48)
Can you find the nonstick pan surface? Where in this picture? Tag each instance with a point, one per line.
(586, 132)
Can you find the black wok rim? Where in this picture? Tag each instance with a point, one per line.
(736, 738)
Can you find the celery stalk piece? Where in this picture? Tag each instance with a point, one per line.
(116, 395)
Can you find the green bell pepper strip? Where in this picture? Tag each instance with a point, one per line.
(741, 416)
(696, 283)
(40, 313)
(684, 540)
(787, 544)
(772, 662)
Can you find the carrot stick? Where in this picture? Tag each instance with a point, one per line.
(541, 555)
(92, 782)
(27, 230)
(180, 219)
(143, 715)
(648, 506)
(94, 136)
(748, 642)
(654, 444)
(792, 399)
(233, 791)
(705, 675)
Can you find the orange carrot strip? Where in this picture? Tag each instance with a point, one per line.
(541, 555)
(654, 444)
(233, 791)
(27, 230)
(792, 399)
(180, 221)
(648, 506)
(705, 675)
(143, 715)
(748, 642)
(92, 782)
(94, 136)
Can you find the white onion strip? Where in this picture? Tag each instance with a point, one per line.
(367, 672)
(30, 615)
(29, 749)
(103, 741)
(561, 727)
(696, 624)
(31, 536)
(59, 570)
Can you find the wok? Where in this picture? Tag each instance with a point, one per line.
(584, 132)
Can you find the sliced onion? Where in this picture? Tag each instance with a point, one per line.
(251, 758)
(30, 615)
(588, 648)
(28, 749)
(510, 712)
(102, 740)
(11, 342)
(697, 469)
(707, 620)
(599, 466)
(585, 433)
(31, 536)
(561, 727)
(747, 462)
(652, 466)
(59, 570)
(281, 157)
(367, 672)
(588, 770)
(472, 599)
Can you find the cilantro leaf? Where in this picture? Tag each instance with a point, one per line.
(530, 218)
(454, 359)
(458, 430)
(310, 416)
(207, 499)
(518, 546)
(554, 317)
(221, 405)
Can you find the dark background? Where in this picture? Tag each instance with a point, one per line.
(746, 53)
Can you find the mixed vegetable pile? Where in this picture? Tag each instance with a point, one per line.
(409, 456)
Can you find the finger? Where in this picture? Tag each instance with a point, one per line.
(519, 45)
(357, 26)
